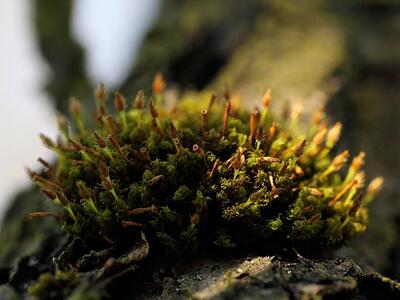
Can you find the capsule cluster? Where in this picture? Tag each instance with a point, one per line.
(203, 172)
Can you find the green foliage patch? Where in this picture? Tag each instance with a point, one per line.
(203, 172)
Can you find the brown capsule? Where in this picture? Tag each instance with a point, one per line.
(101, 99)
(119, 102)
(44, 163)
(45, 184)
(49, 172)
(101, 111)
(298, 170)
(174, 131)
(39, 179)
(32, 174)
(273, 131)
(47, 141)
(271, 181)
(101, 93)
(253, 126)
(375, 185)
(178, 145)
(103, 170)
(260, 134)
(111, 124)
(343, 192)
(269, 159)
(107, 183)
(204, 123)
(77, 146)
(314, 219)
(158, 84)
(318, 116)
(142, 210)
(99, 140)
(43, 214)
(297, 109)
(152, 109)
(300, 148)
(126, 223)
(195, 219)
(154, 126)
(284, 167)
(114, 142)
(145, 154)
(339, 160)
(153, 209)
(319, 136)
(77, 162)
(89, 150)
(62, 198)
(275, 193)
(84, 191)
(237, 160)
(242, 150)
(358, 162)
(153, 181)
(308, 209)
(333, 134)
(93, 152)
(266, 100)
(295, 189)
(139, 100)
(360, 178)
(226, 117)
(214, 168)
(196, 148)
(316, 192)
(356, 204)
(74, 106)
(49, 194)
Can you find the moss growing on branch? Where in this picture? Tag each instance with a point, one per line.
(202, 174)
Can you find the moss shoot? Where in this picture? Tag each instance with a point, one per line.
(201, 173)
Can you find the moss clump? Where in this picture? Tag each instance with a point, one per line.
(56, 286)
(203, 174)
(63, 285)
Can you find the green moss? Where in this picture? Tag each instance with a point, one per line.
(62, 285)
(189, 180)
(50, 286)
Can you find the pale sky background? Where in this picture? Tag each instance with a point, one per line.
(110, 31)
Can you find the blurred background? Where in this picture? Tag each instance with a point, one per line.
(109, 33)
(344, 55)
